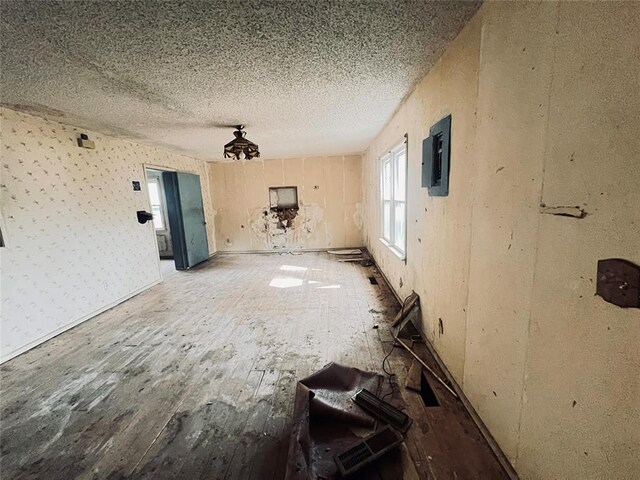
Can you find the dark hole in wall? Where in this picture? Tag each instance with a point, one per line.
(373, 281)
(1, 238)
(426, 392)
(285, 217)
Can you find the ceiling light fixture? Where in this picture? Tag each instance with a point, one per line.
(240, 148)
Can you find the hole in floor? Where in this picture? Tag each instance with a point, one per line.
(426, 392)
(373, 280)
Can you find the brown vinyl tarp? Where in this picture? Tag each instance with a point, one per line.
(324, 418)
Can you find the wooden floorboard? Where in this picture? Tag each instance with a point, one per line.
(195, 378)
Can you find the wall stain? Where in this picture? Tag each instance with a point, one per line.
(286, 228)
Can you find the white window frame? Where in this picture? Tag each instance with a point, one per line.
(392, 157)
(162, 206)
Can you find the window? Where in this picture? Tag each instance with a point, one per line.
(393, 174)
(281, 198)
(156, 204)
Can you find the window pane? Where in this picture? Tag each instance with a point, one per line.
(400, 177)
(386, 179)
(399, 230)
(154, 192)
(386, 220)
(157, 217)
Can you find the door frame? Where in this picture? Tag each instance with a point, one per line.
(163, 205)
(161, 168)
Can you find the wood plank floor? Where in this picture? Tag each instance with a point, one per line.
(195, 378)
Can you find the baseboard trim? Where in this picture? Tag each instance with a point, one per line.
(74, 323)
(497, 451)
(288, 250)
(484, 431)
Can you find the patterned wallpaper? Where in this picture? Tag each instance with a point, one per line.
(73, 243)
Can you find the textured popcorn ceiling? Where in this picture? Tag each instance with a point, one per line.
(306, 77)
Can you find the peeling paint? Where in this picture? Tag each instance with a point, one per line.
(289, 228)
(285, 217)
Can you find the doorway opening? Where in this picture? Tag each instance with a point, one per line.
(161, 225)
(176, 204)
(158, 202)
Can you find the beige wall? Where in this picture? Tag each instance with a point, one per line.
(73, 243)
(329, 194)
(545, 104)
(582, 349)
(516, 55)
(437, 266)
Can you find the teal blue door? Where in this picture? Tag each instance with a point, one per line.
(186, 218)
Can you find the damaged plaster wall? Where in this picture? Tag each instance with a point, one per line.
(544, 182)
(73, 242)
(329, 197)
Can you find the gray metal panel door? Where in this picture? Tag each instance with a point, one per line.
(184, 202)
